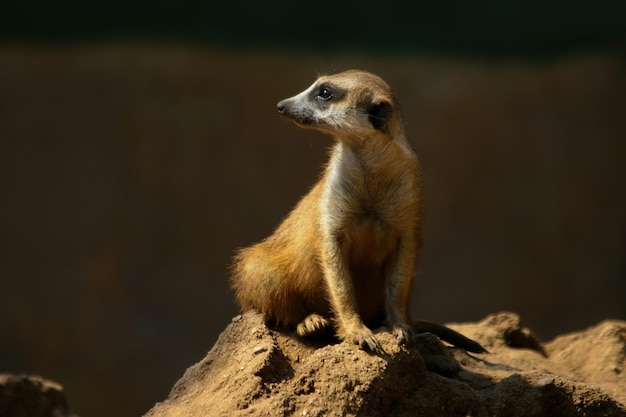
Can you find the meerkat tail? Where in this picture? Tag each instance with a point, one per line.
(449, 335)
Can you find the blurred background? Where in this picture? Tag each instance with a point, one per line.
(140, 146)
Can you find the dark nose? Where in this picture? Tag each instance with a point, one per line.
(281, 107)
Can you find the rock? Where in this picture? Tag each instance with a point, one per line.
(31, 396)
(595, 356)
(519, 377)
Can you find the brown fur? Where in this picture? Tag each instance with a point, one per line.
(346, 254)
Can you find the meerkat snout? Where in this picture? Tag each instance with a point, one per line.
(281, 107)
(298, 110)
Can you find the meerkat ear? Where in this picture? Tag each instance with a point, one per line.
(379, 113)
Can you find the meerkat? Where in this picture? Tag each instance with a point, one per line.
(345, 255)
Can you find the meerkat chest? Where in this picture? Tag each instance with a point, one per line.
(368, 204)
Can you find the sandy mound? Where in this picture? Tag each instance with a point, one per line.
(256, 371)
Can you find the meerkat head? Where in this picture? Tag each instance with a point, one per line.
(345, 105)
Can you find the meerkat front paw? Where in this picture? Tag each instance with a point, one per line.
(312, 324)
(365, 339)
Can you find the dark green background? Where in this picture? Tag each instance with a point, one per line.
(488, 28)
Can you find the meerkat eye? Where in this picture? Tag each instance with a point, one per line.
(324, 94)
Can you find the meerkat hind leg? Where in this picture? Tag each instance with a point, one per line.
(312, 324)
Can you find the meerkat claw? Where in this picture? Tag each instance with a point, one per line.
(403, 333)
(311, 324)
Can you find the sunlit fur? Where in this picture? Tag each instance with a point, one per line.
(345, 255)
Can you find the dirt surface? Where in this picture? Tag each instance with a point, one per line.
(256, 371)
(32, 396)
